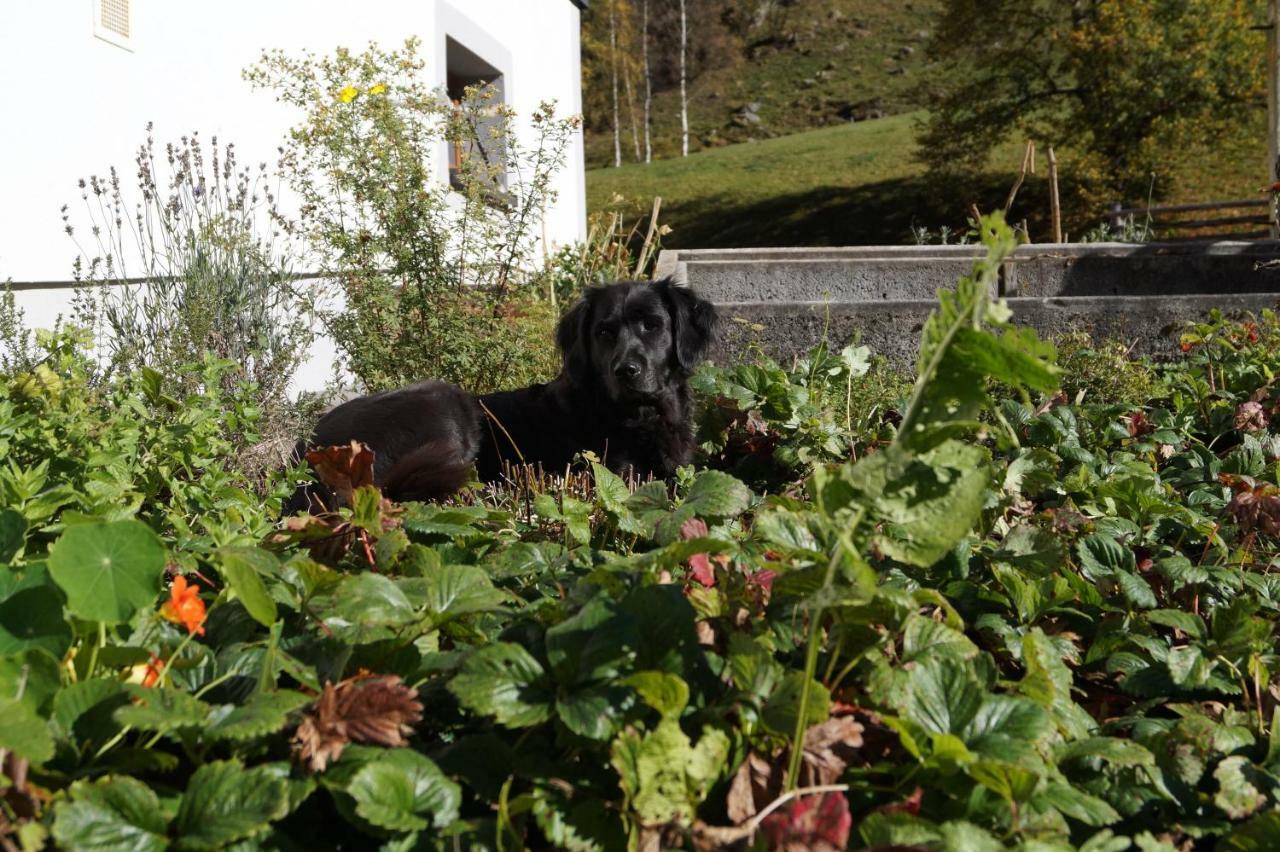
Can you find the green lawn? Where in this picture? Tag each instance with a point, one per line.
(857, 183)
(861, 183)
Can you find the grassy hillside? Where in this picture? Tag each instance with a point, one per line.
(857, 183)
(831, 60)
(808, 175)
(861, 184)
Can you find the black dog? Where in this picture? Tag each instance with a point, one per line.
(628, 350)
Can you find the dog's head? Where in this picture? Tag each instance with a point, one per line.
(635, 339)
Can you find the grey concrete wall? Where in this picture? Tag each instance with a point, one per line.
(784, 300)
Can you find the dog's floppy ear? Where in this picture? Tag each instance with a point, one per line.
(693, 321)
(572, 336)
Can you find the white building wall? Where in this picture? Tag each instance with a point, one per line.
(75, 104)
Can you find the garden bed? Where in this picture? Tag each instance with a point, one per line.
(976, 612)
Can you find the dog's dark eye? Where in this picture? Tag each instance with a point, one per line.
(604, 333)
(650, 324)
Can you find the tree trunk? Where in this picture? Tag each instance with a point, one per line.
(684, 91)
(648, 80)
(613, 66)
(631, 107)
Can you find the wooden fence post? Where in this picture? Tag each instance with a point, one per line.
(1055, 206)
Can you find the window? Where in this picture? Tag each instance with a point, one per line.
(466, 69)
(113, 22)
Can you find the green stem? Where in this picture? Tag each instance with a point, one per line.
(93, 657)
(812, 650)
(111, 743)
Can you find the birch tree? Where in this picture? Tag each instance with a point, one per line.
(648, 81)
(684, 92)
(627, 67)
(613, 66)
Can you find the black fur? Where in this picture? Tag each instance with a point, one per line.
(628, 348)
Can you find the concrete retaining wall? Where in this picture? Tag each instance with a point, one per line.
(784, 299)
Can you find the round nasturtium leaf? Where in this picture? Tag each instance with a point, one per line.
(108, 570)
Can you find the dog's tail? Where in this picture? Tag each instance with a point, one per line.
(433, 471)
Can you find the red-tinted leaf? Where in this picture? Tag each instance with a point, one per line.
(816, 823)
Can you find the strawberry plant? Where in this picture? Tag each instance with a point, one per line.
(967, 612)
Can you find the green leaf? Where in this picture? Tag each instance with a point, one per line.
(453, 591)
(1010, 781)
(782, 710)
(1102, 556)
(943, 695)
(1188, 622)
(715, 494)
(927, 503)
(1016, 357)
(1031, 549)
(592, 644)
(108, 570)
(1077, 805)
(401, 789)
(504, 681)
(751, 665)
(31, 612)
(225, 802)
(243, 568)
(592, 711)
(13, 531)
(162, 709)
(1237, 796)
(114, 814)
(663, 775)
(663, 691)
(366, 607)
(611, 491)
(923, 636)
(86, 710)
(1118, 752)
(32, 677)
(1136, 590)
(264, 713)
(1257, 835)
(24, 732)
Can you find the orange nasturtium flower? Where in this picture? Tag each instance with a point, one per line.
(348, 94)
(154, 665)
(184, 605)
(377, 88)
(148, 673)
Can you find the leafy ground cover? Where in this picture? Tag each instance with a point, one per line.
(970, 612)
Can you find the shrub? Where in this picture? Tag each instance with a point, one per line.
(434, 279)
(1105, 372)
(17, 342)
(192, 266)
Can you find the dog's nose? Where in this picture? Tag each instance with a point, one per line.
(627, 370)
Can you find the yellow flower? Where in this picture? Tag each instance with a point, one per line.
(348, 94)
(377, 88)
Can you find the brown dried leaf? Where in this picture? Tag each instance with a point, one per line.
(1250, 417)
(378, 710)
(328, 537)
(344, 469)
(754, 785)
(828, 749)
(1256, 506)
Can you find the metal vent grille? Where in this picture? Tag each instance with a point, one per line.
(115, 16)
